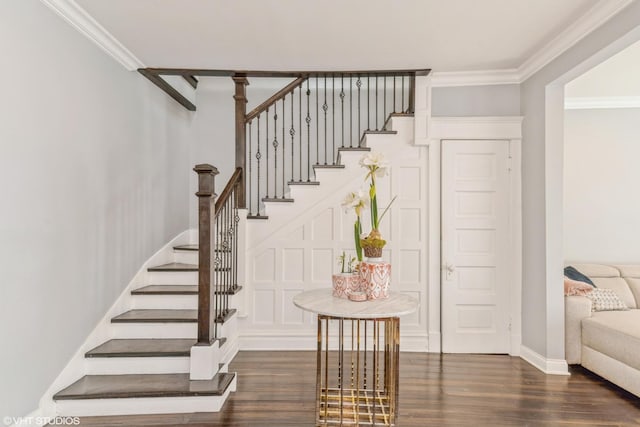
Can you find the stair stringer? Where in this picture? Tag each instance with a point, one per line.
(277, 246)
(76, 367)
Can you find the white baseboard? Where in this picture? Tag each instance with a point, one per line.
(548, 366)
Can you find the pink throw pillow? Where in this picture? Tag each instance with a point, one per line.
(574, 287)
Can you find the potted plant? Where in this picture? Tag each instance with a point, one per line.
(348, 280)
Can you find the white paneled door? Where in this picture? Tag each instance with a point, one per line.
(475, 247)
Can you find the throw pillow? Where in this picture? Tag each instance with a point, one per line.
(574, 274)
(573, 287)
(605, 300)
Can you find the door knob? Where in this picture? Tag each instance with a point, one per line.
(449, 269)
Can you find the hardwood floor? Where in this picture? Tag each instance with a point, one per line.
(278, 389)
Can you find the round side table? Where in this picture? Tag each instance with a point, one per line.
(358, 353)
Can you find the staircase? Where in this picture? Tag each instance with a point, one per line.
(155, 343)
(145, 367)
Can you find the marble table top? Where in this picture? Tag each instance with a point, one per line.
(321, 301)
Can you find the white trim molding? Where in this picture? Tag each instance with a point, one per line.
(475, 78)
(579, 29)
(600, 13)
(503, 127)
(548, 366)
(592, 103)
(79, 19)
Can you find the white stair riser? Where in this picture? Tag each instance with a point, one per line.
(175, 302)
(136, 365)
(168, 330)
(155, 405)
(173, 277)
(154, 330)
(351, 159)
(186, 257)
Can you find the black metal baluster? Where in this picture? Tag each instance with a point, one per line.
(368, 109)
(275, 152)
(325, 107)
(249, 177)
(342, 108)
(359, 84)
(402, 103)
(292, 133)
(308, 120)
(394, 94)
(300, 129)
(377, 128)
(333, 119)
(236, 220)
(258, 157)
(384, 102)
(284, 147)
(317, 125)
(266, 148)
(350, 110)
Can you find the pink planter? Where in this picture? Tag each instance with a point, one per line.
(345, 283)
(375, 279)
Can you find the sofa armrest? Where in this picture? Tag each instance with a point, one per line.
(576, 308)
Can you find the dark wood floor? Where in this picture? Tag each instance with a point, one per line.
(277, 389)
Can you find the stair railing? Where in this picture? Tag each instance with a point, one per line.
(218, 249)
(305, 124)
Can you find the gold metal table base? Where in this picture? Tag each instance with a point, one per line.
(357, 371)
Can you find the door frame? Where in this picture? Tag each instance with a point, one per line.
(474, 128)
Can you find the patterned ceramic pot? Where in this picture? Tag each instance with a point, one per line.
(345, 283)
(375, 279)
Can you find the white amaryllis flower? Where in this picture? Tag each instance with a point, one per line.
(376, 162)
(355, 200)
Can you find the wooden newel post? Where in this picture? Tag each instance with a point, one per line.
(206, 234)
(240, 97)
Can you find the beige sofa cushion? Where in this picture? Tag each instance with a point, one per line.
(596, 270)
(620, 286)
(629, 270)
(614, 333)
(634, 284)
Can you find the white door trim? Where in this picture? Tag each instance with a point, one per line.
(475, 128)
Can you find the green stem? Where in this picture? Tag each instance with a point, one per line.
(357, 230)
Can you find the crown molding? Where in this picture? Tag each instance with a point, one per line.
(592, 103)
(475, 78)
(75, 15)
(580, 28)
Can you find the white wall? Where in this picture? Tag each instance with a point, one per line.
(94, 172)
(601, 174)
(543, 312)
(490, 100)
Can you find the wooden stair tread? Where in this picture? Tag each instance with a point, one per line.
(186, 248)
(174, 266)
(257, 217)
(164, 316)
(166, 290)
(178, 290)
(303, 183)
(156, 315)
(354, 149)
(277, 200)
(143, 348)
(381, 132)
(141, 385)
(179, 267)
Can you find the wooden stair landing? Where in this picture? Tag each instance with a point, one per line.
(137, 386)
(143, 348)
(178, 290)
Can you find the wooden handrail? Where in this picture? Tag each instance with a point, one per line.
(284, 74)
(274, 98)
(235, 179)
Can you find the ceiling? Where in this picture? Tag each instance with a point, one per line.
(444, 35)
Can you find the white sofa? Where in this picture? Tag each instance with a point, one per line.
(607, 342)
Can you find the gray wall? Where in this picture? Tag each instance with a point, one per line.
(492, 100)
(94, 172)
(541, 193)
(601, 174)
